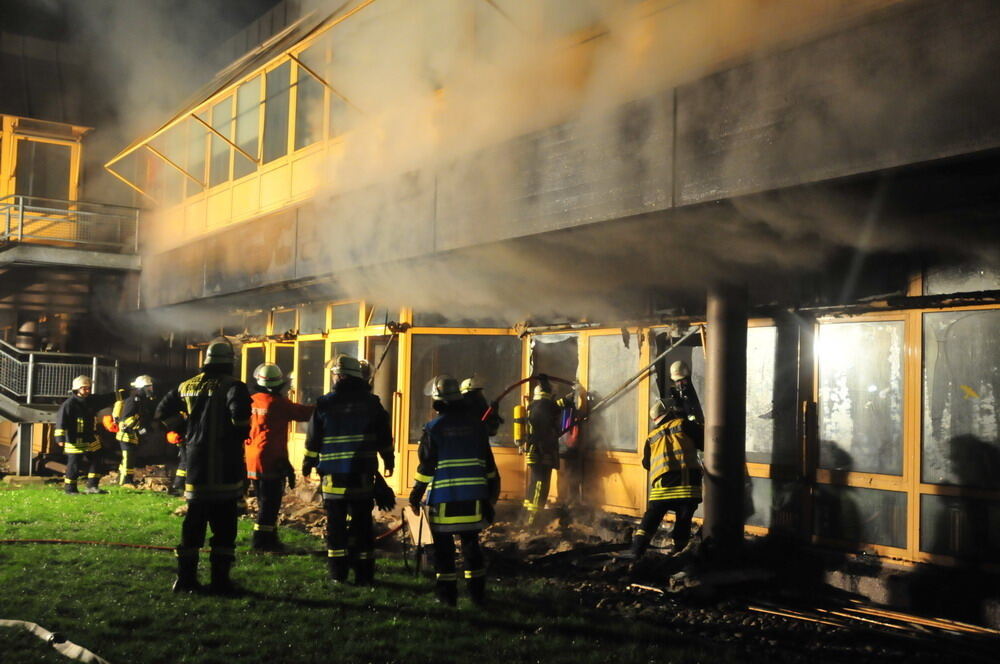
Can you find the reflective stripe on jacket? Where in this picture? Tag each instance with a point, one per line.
(76, 426)
(267, 446)
(671, 457)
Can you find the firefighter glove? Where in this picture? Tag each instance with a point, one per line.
(174, 438)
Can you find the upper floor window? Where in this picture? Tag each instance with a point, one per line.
(276, 112)
(222, 122)
(247, 127)
(42, 169)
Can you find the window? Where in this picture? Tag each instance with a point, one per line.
(256, 324)
(761, 353)
(42, 169)
(276, 113)
(222, 122)
(309, 94)
(495, 359)
(610, 365)
(284, 357)
(247, 126)
(254, 357)
(861, 516)
(197, 142)
(344, 348)
(942, 280)
(861, 397)
(432, 319)
(345, 315)
(309, 374)
(312, 318)
(965, 528)
(961, 414)
(282, 321)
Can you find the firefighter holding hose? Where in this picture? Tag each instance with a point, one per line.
(541, 450)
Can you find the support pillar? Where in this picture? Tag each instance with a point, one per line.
(725, 421)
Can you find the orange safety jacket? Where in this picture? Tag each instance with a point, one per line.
(267, 446)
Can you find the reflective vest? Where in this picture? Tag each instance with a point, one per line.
(350, 434)
(461, 472)
(671, 456)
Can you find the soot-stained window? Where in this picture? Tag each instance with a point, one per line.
(309, 373)
(961, 381)
(247, 127)
(861, 397)
(613, 427)
(276, 113)
(861, 516)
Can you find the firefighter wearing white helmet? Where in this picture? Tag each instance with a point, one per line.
(212, 411)
(683, 388)
(670, 454)
(76, 432)
(267, 451)
(475, 400)
(348, 431)
(133, 417)
(459, 476)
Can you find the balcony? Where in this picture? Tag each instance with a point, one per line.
(46, 231)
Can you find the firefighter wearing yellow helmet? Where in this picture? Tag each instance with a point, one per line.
(134, 421)
(76, 432)
(542, 447)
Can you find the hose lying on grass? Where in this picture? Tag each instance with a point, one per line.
(155, 547)
(57, 641)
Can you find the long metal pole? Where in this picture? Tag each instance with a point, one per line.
(93, 373)
(725, 422)
(29, 388)
(20, 218)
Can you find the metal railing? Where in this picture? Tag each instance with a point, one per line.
(34, 377)
(97, 226)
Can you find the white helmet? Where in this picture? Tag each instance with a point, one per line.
(142, 381)
(268, 374)
(540, 393)
(679, 370)
(81, 381)
(471, 383)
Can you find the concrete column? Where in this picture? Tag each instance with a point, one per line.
(725, 420)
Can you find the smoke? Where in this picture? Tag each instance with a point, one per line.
(509, 160)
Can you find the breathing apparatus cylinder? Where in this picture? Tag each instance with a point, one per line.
(520, 427)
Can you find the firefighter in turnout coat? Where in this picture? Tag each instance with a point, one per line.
(459, 476)
(76, 433)
(348, 431)
(217, 409)
(542, 449)
(133, 423)
(670, 454)
(267, 451)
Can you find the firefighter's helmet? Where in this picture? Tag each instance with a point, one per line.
(268, 374)
(366, 370)
(81, 381)
(446, 388)
(219, 351)
(679, 370)
(471, 383)
(344, 365)
(142, 381)
(540, 393)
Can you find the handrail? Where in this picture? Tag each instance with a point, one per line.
(14, 349)
(40, 220)
(46, 375)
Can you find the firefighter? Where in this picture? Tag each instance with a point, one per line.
(472, 393)
(347, 432)
(76, 432)
(542, 448)
(680, 375)
(267, 451)
(216, 410)
(670, 454)
(456, 461)
(133, 422)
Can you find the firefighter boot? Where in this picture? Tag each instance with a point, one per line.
(446, 591)
(221, 583)
(187, 575)
(70, 487)
(477, 590)
(364, 571)
(92, 485)
(640, 542)
(337, 567)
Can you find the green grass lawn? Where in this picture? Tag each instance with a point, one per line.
(117, 601)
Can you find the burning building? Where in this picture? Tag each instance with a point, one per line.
(507, 188)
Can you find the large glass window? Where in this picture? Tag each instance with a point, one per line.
(247, 126)
(962, 527)
(222, 122)
(861, 397)
(309, 374)
(345, 315)
(495, 359)
(42, 169)
(961, 418)
(312, 318)
(761, 353)
(283, 321)
(276, 113)
(943, 280)
(254, 357)
(555, 355)
(610, 365)
(309, 94)
(861, 516)
(284, 357)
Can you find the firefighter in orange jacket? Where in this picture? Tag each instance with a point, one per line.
(267, 451)
(670, 454)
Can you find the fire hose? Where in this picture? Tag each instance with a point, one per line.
(57, 641)
(512, 386)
